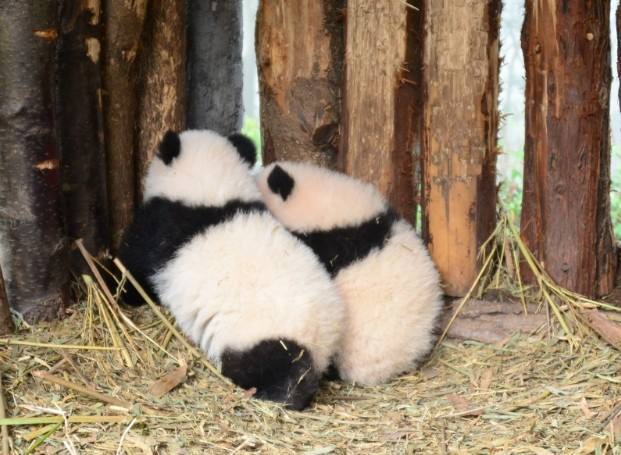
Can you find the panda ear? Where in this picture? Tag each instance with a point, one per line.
(245, 147)
(170, 147)
(280, 182)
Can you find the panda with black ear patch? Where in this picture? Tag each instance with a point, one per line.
(382, 270)
(250, 294)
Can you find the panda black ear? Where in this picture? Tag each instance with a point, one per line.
(170, 147)
(245, 147)
(280, 182)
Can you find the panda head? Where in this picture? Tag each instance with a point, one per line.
(201, 167)
(306, 198)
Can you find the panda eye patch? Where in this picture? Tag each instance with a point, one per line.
(280, 182)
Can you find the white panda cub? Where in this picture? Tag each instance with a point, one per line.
(250, 294)
(386, 278)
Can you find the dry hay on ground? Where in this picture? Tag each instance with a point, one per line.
(527, 395)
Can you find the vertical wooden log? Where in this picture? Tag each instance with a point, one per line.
(565, 207)
(378, 99)
(299, 56)
(32, 247)
(214, 73)
(124, 23)
(6, 323)
(80, 126)
(461, 122)
(162, 94)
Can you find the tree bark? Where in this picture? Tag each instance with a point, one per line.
(214, 73)
(162, 94)
(565, 208)
(32, 247)
(299, 56)
(80, 127)
(124, 22)
(6, 323)
(461, 124)
(379, 112)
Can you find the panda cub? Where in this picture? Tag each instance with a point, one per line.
(250, 294)
(385, 276)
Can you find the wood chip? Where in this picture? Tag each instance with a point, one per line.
(608, 330)
(486, 379)
(584, 407)
(170, 380)
(463, 405)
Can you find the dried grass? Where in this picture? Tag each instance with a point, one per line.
(552, 392)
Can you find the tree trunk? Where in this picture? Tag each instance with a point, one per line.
(124, 23)
(32, 247)
(214, 84)
(565, 208)
(461, 124)
(299, 54)
(80, 127)
(162, 100)
(379, 111)
(6, 324)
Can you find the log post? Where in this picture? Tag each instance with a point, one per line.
(32, 246)
(6, 323)
(214, 72)
(161, 104)
(299, 57)
(565, 208)
(124, 23)
(379, 110)
(460, 127)
(80, 127)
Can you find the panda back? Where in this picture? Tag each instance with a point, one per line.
(248, 279)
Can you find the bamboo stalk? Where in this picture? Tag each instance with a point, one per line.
(54, 345)
(18, 421)
(82, 389)
(5, 429)
(166, 322)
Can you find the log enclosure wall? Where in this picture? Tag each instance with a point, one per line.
(460, 127)
(565, 212)
(214, 76)
(299, 57)
(379, 101)
(32, 247)
(80, 127)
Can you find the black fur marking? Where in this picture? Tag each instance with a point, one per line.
(332, 373)
(280, 182)
(339, 247)
(245, 147)
(285, 375)
(170, 147)
(160, 228)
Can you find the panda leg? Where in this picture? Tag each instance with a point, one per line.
(280, 370)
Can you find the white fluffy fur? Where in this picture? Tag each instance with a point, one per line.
(247, 279)
(392, 296)
(209, 171)
(321, 199)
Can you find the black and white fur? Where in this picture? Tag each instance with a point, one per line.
(249, 293)
(382, 270)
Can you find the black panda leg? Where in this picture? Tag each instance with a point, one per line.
(280, 370)
(332, 373)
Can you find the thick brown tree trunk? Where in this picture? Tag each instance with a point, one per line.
(379, 111)
(299, 55)
(461, 123)
(214, 73)
(6, 324)
(32, 247)
(80, 127)
(162, 95)
(124, 23)
(565, 209)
